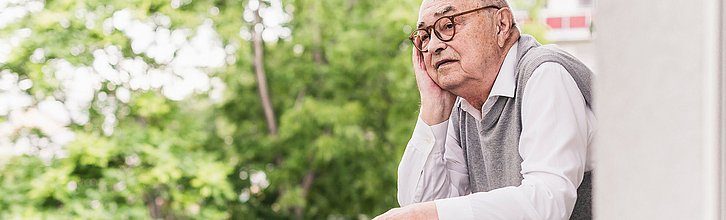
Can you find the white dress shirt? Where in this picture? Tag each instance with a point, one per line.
(555, 145)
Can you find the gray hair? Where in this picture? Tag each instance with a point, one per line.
(498, 3)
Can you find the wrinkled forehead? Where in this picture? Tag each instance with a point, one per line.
(433, 9)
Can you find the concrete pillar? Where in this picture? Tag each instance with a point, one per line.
(660, 104)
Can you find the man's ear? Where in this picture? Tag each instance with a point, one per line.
(504, 23)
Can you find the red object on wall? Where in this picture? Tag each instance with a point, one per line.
(554, 22)
(578, 22)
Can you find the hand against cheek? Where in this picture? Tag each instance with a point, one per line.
(436, 103)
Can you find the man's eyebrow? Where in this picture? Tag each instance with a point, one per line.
(447, 9)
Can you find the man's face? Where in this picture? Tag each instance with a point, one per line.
(455, 63)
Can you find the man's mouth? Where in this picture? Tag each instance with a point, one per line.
(444, 62)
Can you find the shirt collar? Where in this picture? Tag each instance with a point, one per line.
(505, 83)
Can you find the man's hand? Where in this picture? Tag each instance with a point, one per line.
(418, 211)
(436, 103)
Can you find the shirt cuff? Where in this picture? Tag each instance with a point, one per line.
(439, 130)
(427, 137)
(454, 208)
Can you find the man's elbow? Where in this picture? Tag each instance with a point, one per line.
(403, 199)
(556, 200)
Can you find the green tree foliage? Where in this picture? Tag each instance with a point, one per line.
(340, 82)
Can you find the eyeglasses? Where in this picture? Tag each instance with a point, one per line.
(444, 29)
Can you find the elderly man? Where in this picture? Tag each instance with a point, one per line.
(505, 127)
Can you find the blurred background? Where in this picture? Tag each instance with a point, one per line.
(226, 109)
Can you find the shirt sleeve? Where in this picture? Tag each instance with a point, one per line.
(553, 146)
(432, 166)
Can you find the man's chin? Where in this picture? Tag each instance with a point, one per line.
(447, 84)
(445, 80)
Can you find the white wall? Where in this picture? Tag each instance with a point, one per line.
(658, 101)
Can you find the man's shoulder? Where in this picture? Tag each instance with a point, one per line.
(549, 61)
(544, 53)
(534, 57)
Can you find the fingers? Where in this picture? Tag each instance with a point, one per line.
(418, 58)
(421, 62)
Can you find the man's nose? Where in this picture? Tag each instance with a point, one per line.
(436, 45)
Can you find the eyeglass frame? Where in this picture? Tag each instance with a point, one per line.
(411, 37)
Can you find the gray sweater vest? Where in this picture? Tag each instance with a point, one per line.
(491, 147)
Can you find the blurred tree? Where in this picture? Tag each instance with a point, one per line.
(142, 150)
(339, 81)
(340, 88)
